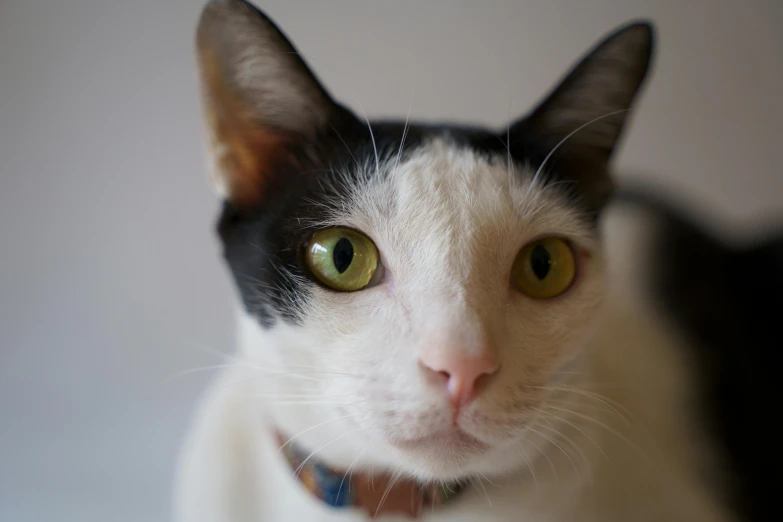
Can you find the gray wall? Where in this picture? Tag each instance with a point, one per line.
(110, 280)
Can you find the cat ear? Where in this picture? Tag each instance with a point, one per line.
(583, 117)
(263, 106)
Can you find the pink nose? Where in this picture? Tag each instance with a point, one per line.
(464, 375)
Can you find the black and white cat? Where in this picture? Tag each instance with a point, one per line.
(433, 317)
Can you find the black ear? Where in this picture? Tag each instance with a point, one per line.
(584, 115)
(263, 106)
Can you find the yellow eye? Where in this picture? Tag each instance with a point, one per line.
(544, 269)
(342, 259)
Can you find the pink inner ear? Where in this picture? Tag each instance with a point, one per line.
(246, 153)
(250, 158)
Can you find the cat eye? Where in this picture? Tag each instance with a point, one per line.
(544, 269)
(342, 259)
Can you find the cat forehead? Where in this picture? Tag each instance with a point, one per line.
(451, 193)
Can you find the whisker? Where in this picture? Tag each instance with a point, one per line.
(311, 428)
(526, 440)
(309, 403)
(346, 146)
(604, 400)
(309, 376)
(322, 446)
(585, 407)
(562, 436)
(558, 446)
(580, 430)
(348, 471)
(477, 479)
(210, 350)
(404, 130)
(303, 396)
(260, 377)
(606, 427)
(530, 467)
(201, 369)
(566, 138)
(372, 137)
(389, 487)
(487, 479)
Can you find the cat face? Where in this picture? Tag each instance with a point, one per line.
(410, 292)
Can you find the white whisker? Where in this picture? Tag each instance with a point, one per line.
(566, 138)
(346, 147)
(487, 479)
(404, 130)
(604, 400)
(322, 446)
(562, 436)
(192, 371)
(308, 403)
(349, 472)
(477, 479)
(606, 427)
(545, 455)
(580, 430)
(372, 137)
(558, 446)
(530, 467)
(389, 487)
(311, 428)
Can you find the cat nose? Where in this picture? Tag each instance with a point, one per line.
(464, 375)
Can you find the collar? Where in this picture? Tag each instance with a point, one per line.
(374, 494)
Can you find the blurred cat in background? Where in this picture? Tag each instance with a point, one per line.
(445, 322)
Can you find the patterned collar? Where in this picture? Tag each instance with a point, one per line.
(371, 493)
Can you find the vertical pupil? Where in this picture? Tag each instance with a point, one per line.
(540, 261)
(342, 254)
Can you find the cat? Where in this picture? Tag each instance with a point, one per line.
(436, 321)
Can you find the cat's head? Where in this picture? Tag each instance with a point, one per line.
(410, 292)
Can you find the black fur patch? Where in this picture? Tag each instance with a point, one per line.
(727, 300)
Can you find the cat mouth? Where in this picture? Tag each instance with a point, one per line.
(452, 439)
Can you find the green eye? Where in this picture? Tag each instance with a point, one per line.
(545, 268)
(342, 259)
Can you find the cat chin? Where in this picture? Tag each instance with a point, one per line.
(444, 464)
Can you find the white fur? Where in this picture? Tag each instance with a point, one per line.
(347, 384)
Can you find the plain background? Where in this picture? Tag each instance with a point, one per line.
(110, 277)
